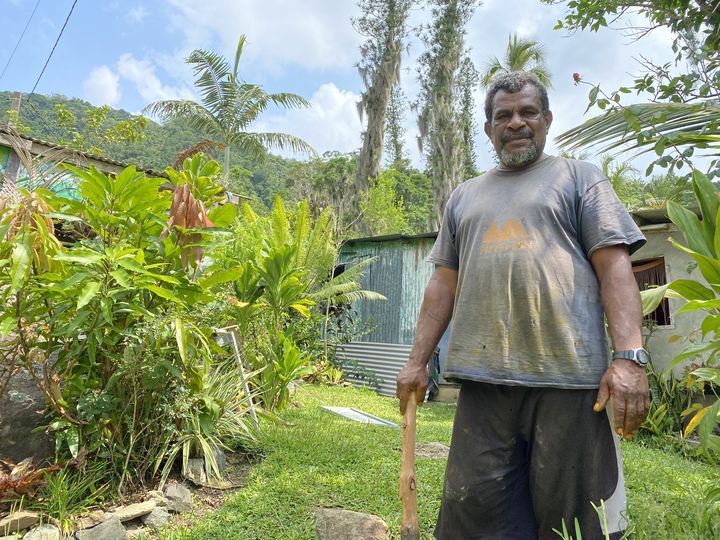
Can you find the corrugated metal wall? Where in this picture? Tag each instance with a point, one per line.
(401, 274)
(382, 360)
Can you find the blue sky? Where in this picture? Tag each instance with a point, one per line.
(127, 53)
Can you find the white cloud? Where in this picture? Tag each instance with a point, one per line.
(332, 123)
(102, 87)
(142, 74)
(137, 14)
(314, 34)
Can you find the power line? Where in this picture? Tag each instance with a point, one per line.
(38, 114)
(19, 40)
(53, 49)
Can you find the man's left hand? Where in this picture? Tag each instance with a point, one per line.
(627, 384)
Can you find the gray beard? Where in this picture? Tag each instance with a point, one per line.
(515, 160)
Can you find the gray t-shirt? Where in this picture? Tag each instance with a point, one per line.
(527, 306)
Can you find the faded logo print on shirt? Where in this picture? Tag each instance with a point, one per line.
(510, 236)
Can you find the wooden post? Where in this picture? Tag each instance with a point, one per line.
(410, 529)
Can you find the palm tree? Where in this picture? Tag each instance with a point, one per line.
(228, 106)
(624, 179)
(521, 55)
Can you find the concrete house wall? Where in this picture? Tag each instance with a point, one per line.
(660, 342)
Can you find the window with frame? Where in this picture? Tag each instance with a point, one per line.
(648, 274)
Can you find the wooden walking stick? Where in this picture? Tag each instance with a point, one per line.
(408, 487)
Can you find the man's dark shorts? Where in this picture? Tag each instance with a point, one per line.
(523, 459)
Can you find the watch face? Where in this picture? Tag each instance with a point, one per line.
(642, 356)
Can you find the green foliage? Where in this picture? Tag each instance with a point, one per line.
(201, 174)
(394, 130)
(383, 211)
(636, 194)
(69, 493)
(679, 17)
(681, 115)
(439, 104)
(126, 361)
(703, 239)
(96, 132)
(284, 291)
(384, 24)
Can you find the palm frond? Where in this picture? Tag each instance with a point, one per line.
(205, 146)
(288, 100)
(301, 227)
(238, 54)
(185, 110)
(492, 69)
(520, 55)
(213, 77)
(344, 293)
(284, 141)
(353, 296)
(685, 124)
(354, 272)
(249, 145)
(319, 250)
(42, 171)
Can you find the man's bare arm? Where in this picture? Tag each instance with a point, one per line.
(624, 381)
(435, 314)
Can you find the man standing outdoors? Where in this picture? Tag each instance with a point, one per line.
(529, 257)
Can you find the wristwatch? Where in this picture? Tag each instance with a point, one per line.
(640, 356)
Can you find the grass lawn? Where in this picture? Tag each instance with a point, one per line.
(321, 459)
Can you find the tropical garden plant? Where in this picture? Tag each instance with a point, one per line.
(117, 325)
(702, 236)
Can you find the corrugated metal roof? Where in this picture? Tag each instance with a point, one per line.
(389, 237)
(86, 155)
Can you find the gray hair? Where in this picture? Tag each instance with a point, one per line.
(514, 82)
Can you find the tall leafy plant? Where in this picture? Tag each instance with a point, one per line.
(703, 246)
(81, 312)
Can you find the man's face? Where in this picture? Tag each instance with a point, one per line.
(518, 127)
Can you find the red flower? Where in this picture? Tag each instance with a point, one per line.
(576, 77)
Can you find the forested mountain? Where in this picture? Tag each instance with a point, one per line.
(262, 179)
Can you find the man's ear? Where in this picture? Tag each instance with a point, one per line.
(488, 129)
(548, 119)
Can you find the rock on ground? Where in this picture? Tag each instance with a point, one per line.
(111, 529)
(21, 411)
(18, 521)
(158, 497)
(433, 450)
(132, 511)
(43, 532)
(156, 519)
(91, 519)
(179, 498)
(338, 524)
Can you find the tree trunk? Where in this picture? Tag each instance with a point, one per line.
(374, 103)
